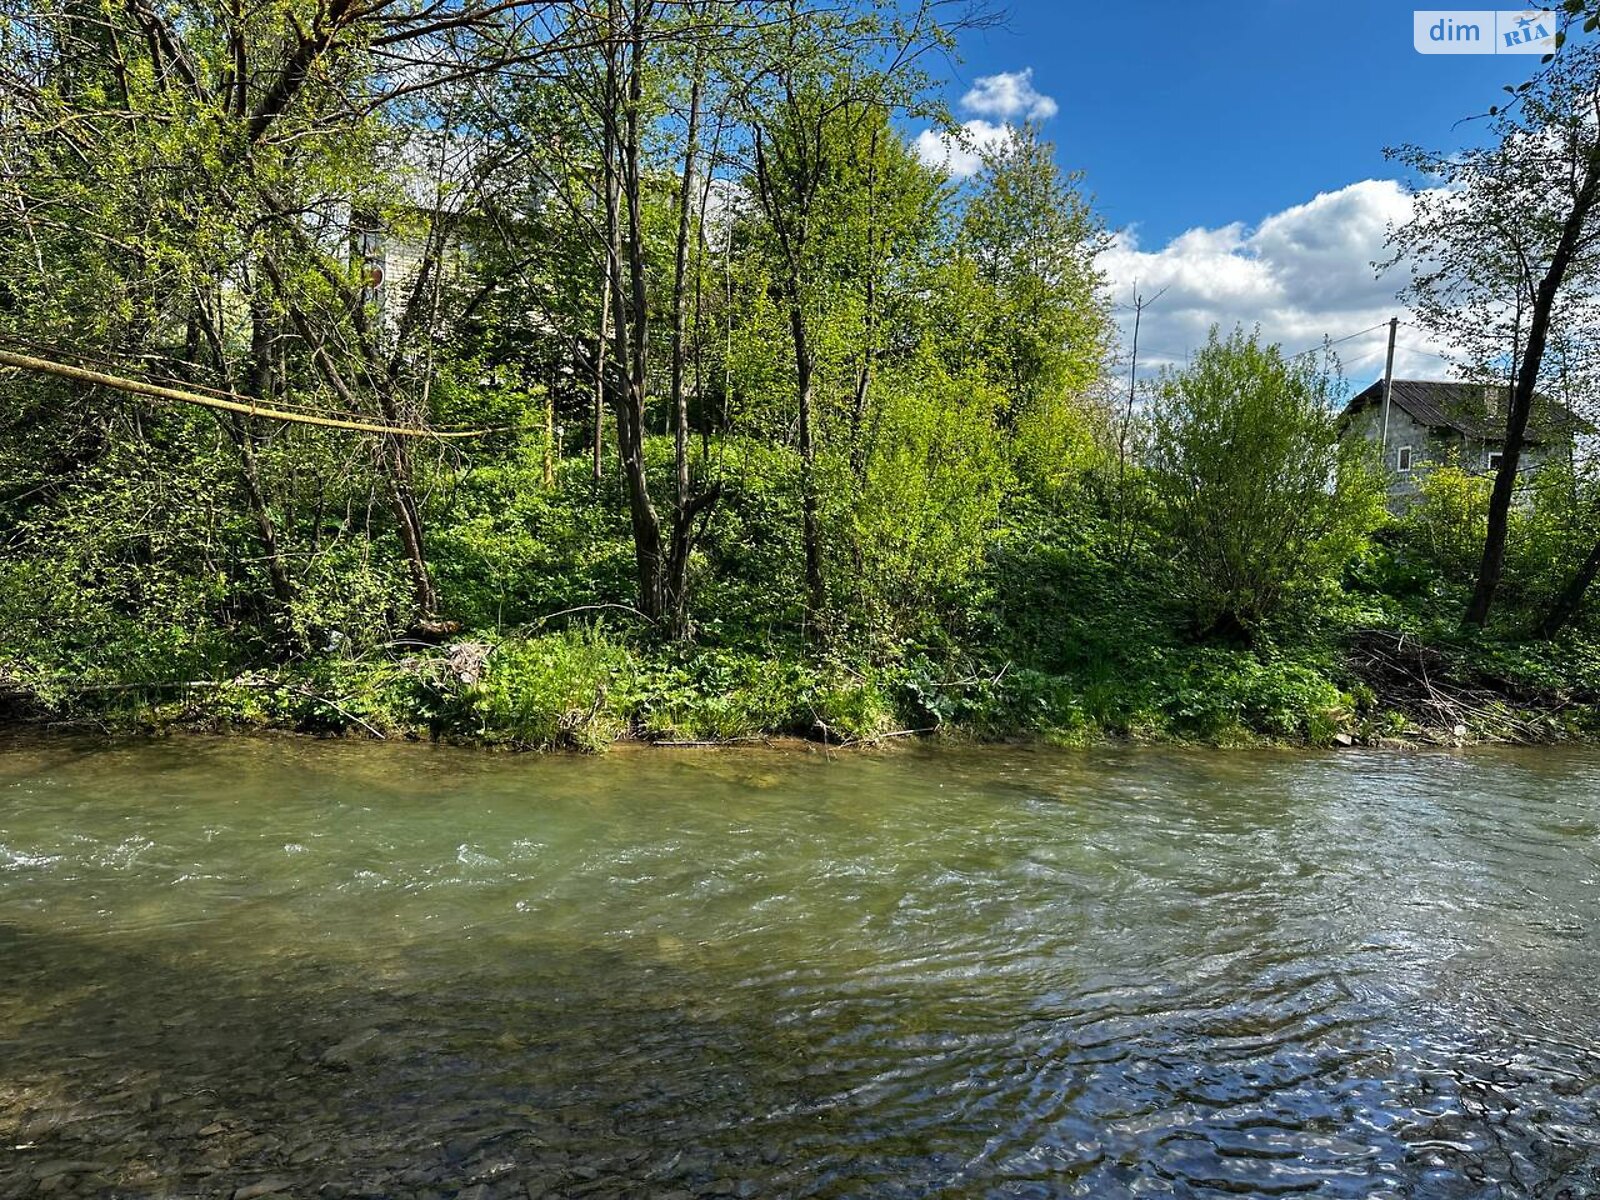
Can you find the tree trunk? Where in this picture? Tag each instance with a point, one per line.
(549, 438)
(630, 304)
(262, 387)
(858, 411)
(805, 368)
(243, 437)
(678, 552)
(393, 458)
(791, 229)
(241, 431)
(1566, 607)
(600, 377)
(403, 502)
(1505, 480)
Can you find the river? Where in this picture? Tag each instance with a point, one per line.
(258, 967)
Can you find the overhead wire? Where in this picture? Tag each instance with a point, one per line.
(1323, 345)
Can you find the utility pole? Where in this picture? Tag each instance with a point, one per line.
(1133, 372)
(1124, 542)
(1139, 305)
(1388, 385)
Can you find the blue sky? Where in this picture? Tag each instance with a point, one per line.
(1238, 150)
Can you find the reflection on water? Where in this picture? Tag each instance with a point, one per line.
(342, 970)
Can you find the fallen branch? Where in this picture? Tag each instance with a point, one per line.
(872, 739)
(567, 612)
(1412, 678)
(243, 405)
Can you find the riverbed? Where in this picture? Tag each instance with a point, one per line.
(255, 967)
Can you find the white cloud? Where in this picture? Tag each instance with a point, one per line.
(1008, 95)
(961, 155)
(1300, 274)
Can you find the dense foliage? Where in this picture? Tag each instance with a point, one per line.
(774, 426)
(1261, 492)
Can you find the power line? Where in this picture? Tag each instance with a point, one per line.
(1167, 357)
(1420, 350)
(1365, 353)
(1360, 355)
(1323, 345)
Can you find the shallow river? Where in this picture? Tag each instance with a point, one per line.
(321, 969)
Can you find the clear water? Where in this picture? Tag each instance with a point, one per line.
(324, 969)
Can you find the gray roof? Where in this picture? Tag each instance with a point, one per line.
(1474, 410)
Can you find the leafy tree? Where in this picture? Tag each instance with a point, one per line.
(930, 500)
(1504, 254)
(1260, 494)
(1033, 240)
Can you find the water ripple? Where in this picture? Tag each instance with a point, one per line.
(416, 972)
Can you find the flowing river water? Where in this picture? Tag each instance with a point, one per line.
(249, 968)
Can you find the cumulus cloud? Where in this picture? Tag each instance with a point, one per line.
(1301, 274)
(1008, 95)
(960, 155)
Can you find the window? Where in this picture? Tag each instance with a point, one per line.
(1404, 458)
(1494, 462)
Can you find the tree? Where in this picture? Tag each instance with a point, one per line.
(1505, 250)
(793, 148)
(613, 199)
(1033, 240)
(817, 124)
(221, 157)
(704, 208)
(1260, 493)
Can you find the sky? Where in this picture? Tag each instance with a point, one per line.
(1236, 151)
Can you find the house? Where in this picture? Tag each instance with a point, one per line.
(1432, 422)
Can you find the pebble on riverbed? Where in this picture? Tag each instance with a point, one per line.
(267, 1187)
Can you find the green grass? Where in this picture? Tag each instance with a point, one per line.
(1071, 633)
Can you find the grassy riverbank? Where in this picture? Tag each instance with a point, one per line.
(588, 689)
(1065, 634)
(1202, 595)
(681, 411)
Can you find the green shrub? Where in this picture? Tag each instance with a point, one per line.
(1261, 495)
(562, 689)
(718, 696)
(1448, 519)
(929, 495)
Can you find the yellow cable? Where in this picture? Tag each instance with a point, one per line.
(139, 388)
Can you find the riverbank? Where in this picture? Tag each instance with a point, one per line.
(1075, 626)
(587, 688)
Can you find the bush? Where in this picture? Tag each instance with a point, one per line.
(712, 695)
(563, 689)
(929, 495)
(1259, 493)
(1447, 521)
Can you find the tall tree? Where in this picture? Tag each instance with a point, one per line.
(1506, 241)
(1044, 323)
(617, 73)
(825, 82)
(1034, 239)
